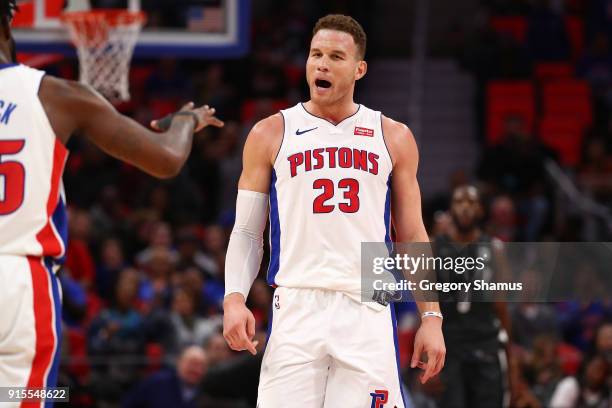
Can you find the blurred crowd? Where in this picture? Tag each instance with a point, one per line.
(144, 270)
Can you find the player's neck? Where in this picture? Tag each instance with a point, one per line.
(335, 113)
(465, 237)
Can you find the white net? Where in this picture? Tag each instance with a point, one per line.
(105, 42)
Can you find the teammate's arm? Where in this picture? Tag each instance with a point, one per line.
(74, 107)
(245, 249)
(409, 227)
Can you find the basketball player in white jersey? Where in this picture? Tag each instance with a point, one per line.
(38, 114)
(329, 170)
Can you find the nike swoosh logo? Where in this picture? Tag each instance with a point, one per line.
(301, 132)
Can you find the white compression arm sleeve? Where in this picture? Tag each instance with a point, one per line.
(245, 248)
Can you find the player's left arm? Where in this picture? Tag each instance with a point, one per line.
(409, 227)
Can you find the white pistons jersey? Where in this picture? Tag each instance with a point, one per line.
(330, 191)
(32, 159)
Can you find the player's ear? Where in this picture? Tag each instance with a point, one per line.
(362, 68)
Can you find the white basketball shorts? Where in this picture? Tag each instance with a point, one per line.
(30, 321)
(327, 350)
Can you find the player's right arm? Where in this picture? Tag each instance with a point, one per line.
(76, 108)
(245, 249)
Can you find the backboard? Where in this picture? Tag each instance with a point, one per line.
(181, 28)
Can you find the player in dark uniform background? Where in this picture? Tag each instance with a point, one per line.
(476, 374)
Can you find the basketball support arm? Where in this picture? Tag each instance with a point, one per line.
(245, 249)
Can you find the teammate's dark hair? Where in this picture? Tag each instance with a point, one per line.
(345, 24)
(7, 10)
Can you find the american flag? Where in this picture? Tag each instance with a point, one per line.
(206, 19)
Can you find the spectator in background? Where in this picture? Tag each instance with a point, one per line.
(107, 213)
(580, 319)
(260, 299)
(78, 257)
(230, 143)
(516, 166)
(74, 300)
(156, 289)
(215, 243)
(111, 263)
(190, 253)
(205, 172)
(189, 328)
(543, 371)
(118, 329)
(595, 170)
(589, 390)
(502, 221)
(533, 320)
(177, 388)
(88, 171)
(160, 238)
(217, 349)
(212, 87)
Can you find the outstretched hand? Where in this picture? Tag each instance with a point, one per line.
(205, 117)
(429, 340)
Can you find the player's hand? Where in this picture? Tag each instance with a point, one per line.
(205, 114)
(238, 324)
(429, 340)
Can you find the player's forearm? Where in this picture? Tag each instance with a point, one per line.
(408, 242)
(178, 140)
(408, 234)
(245, 249)
(243, 260)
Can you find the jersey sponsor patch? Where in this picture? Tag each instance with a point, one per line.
(361, 131)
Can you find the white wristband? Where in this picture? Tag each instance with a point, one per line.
(434, 314)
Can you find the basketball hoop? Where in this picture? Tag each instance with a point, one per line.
(105, 41)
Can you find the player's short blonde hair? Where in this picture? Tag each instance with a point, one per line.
(347, 24)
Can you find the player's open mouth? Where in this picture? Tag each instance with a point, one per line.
(322, 83)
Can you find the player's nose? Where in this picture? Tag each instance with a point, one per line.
(322, 65)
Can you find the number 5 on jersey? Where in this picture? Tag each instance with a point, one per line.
(350, 188)
(12, 177)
